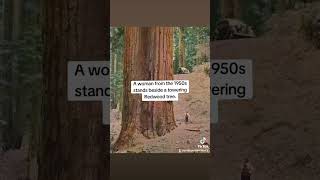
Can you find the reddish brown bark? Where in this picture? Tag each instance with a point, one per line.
(74, 143)
(148, 56)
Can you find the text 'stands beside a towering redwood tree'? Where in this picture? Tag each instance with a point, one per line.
(148, 55)
(74, 143)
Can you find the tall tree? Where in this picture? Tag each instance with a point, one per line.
(114, 98)
(116, 43)
(17, 19)
(74, 143)
(113, 58)
(182, 46)
(147, 56)
(12, 20)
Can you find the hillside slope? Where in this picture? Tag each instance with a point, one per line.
(279, 129)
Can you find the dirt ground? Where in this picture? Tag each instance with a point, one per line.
(279, 129)
(197, 103)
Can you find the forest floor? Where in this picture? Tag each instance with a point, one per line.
(186, 135)
(279, 129)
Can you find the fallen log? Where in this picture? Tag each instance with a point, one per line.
(193, 130)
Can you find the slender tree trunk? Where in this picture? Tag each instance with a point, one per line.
(227, 9)
(12, 34)
(34, 138)
(74, 143)
(17, 19)
(237, 9)
(182, 62)
(147, 56)
(115, 92)
(115, 72)
(120, 101)
(19, 119)
(114, 89)
(2, 20)
(115, 64)
(231, 9)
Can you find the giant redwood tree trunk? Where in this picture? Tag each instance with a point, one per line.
(148, 56)
(74, 143)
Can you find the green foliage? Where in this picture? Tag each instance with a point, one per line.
(193, 37)
(216, 16)
(117, 40)
(176, 50)
(30, 60)
(116, 87)
(255, 13)
(116, 55)
(29, 67)
(23, 74)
